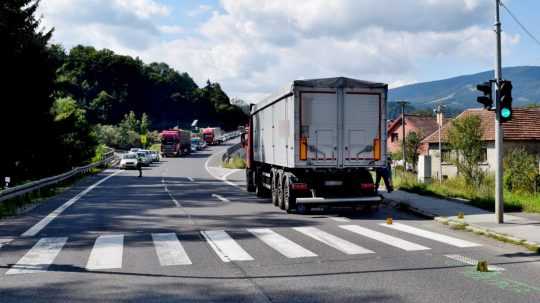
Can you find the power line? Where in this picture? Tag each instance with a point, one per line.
(520, 24)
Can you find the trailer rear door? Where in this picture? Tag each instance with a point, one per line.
(361, 128)
(319, 124)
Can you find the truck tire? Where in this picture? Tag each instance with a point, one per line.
(280, 202)
(275, 187)
(260, 191)
(250, 182)
(289, 200)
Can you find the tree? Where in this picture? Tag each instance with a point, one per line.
(144, 124)
(75, 136)
(413, 141)
(465, 138)
(27, 87)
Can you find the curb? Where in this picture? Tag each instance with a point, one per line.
(460, 224)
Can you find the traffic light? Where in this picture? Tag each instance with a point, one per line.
(487, 98)
(505, 97)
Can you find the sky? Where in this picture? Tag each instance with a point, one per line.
(255, 47)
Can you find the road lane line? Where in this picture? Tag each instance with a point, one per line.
(5, 241)
(169, 250)
(283, 245)
(430, 235)
(384, 238)
(221, 198)
(342, 245)
(34, 230)
(225, 247)
(107, 253)
(340, 219)
(467, 260)
(39, 257)
(223, 178)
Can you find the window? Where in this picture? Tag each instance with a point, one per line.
(393, 137)
(483, 155)
(447, 155)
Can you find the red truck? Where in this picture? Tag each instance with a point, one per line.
(175, 142)
(212, 135)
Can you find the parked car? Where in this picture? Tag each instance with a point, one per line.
(134, 150)
(156, 156)
(128, 160)
(144, 157)
(196, 144)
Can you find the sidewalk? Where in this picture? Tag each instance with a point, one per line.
(519, 228)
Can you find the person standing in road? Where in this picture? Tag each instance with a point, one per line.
(139, 166)
(386, 174)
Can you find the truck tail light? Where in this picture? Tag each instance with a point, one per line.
(303, 148)
(300, 187)
(367, 187)
(377, 149)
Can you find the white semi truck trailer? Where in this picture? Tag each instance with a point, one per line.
(314, 144)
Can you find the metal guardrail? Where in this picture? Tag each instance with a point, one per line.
(38, 184)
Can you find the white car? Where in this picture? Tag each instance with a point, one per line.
(134, 150)
(128, 160)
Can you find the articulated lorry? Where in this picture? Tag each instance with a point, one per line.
(212, 135)
(314, 144)
(175, 142)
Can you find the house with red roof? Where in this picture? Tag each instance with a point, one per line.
(522, 131)
(422, 125)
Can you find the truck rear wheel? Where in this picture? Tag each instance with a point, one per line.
(289, 200)
(250, 182)
(275, 187)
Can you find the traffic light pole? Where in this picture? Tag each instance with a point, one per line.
(499, 199)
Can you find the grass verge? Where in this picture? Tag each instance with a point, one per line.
(236, 162)
(457, 188)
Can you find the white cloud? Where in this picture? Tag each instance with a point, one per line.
(256, 47)
(201, 9)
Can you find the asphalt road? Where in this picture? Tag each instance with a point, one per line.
(179, 234)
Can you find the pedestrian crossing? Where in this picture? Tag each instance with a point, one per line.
(107, 251)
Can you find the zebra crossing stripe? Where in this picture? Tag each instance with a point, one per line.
(430, 235)
(384, 238)
(169, 250)
(470, 261)
(283, 245)
(107, 253)
(39, 257)
(225, 247)
(333, 241)
(5, 241)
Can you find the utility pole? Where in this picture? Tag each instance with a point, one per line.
(499, 199)
(439, 113)
(403, 103)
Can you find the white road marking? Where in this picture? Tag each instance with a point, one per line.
(5, 241)
(168, 192)
(221, 198)
(430, 235)
(223, 178)
(467, 260)
(34, 230)
(387, 239)
(283, 245)
(39, 257)
(169, 250)
(190, 179)
(225, 247)
(340, 219)
(333, 241)
(107, 253)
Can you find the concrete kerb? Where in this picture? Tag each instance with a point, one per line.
(461, 224)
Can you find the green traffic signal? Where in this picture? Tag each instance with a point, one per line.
(506, 113)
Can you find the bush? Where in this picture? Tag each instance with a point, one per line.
(521, 171)
(99, 155)
(235, 162)
(155, 147)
